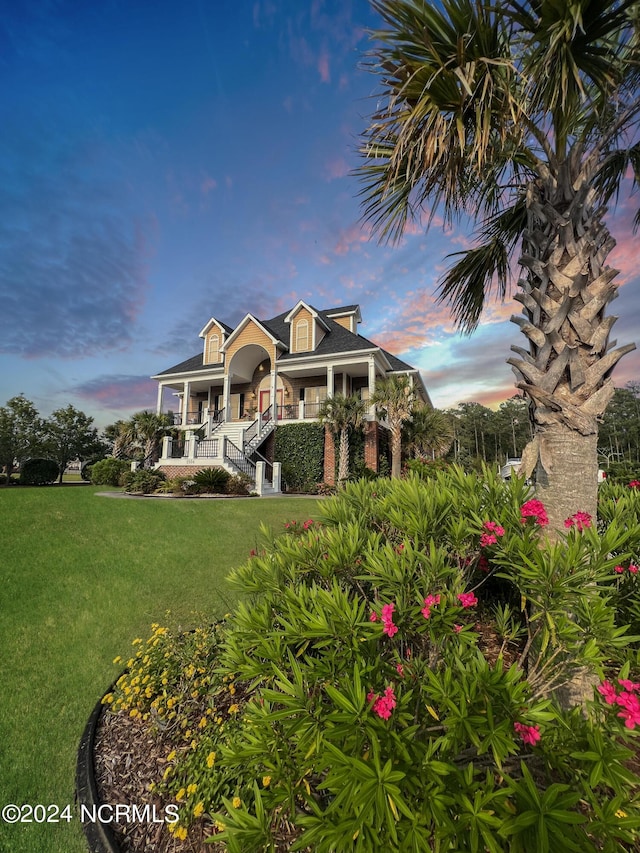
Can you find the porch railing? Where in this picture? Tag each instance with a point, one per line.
(177, 449)
(207, 448)
(236, 457)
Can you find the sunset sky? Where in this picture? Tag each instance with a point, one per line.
(163, 162)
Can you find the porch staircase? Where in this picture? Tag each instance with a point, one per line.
(239, 445)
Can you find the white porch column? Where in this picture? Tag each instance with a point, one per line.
(260, 478)
(277, 477)
(344, 383)
(274, 391)
(185, 403)
(159, 403)
(330, 381)
(226, 397)
(167, 441)
(372, 385)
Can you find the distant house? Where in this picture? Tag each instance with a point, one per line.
(249, 380)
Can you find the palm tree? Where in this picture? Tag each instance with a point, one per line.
(342, 414)
(394, 398)
(524, 116)
(429, 432)
(149, 429)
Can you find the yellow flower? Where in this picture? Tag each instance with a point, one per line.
(211, 759)
(621, 813)
(108, 699)
(232, 689)
(191, 789)
(236, 803)
(136, 641)
(203, 722)
(198, 809)
(233, 709)
(171, 755)
(181, 833)
(180, 795)
(117, 659)
(167, 773)
(266, 781)
(133, 712)
(219, 826)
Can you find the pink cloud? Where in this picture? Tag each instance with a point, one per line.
(120, 392)
(208, 184)
(337, 167)
(351, 238)
(323, 67)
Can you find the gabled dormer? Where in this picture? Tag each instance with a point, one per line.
(348, 317)
(214, 333)
(306, 328)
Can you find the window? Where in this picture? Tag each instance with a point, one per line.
(302, 335)
(213, 355)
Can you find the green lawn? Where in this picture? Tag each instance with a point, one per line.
(81, 576)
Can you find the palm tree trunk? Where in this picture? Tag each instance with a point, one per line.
(396, 453)
(343, 464)
(566, 371)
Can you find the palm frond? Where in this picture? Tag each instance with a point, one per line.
(487, 267)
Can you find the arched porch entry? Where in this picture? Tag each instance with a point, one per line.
(251, 383)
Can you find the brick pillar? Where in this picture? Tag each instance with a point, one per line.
(371, 445)
(329, 457)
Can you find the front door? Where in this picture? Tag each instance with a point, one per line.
(265, 399)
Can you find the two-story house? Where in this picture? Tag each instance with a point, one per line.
(246, 381)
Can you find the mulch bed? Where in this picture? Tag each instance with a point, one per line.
(128, 757)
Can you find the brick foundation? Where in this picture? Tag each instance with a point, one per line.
(371, 443)
(171, 471)
(329, 457)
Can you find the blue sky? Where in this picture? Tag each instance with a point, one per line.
(163, 162)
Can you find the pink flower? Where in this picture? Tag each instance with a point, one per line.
(429, 601)
(487, 539)
(534, 509)
(400, 670)
(580, 520)
(467, 599)
(629, 685)
(529, 734)
(633, 569)
(494, 527)
(457, 628)
(619, 569)
(307, 524)
(373, 617)
(371, 696)
(634, 484)
(387, 618)
(630, 705)
(385, 704)
(608, 691)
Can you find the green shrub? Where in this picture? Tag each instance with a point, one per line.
(239, 485)
(39, 472)
(109, 472)
(392, 671)
(142, 481)
(213, 480)
(300, 449)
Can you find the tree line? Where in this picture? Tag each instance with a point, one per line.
(69, 434)
(469, 434)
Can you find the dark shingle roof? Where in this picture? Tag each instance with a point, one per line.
(337, 340)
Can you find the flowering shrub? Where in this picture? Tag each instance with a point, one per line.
(396, 675)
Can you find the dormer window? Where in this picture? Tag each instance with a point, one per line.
(302, 335)
(213, 350)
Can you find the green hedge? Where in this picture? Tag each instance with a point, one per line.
(39, 472)
(300, 449)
